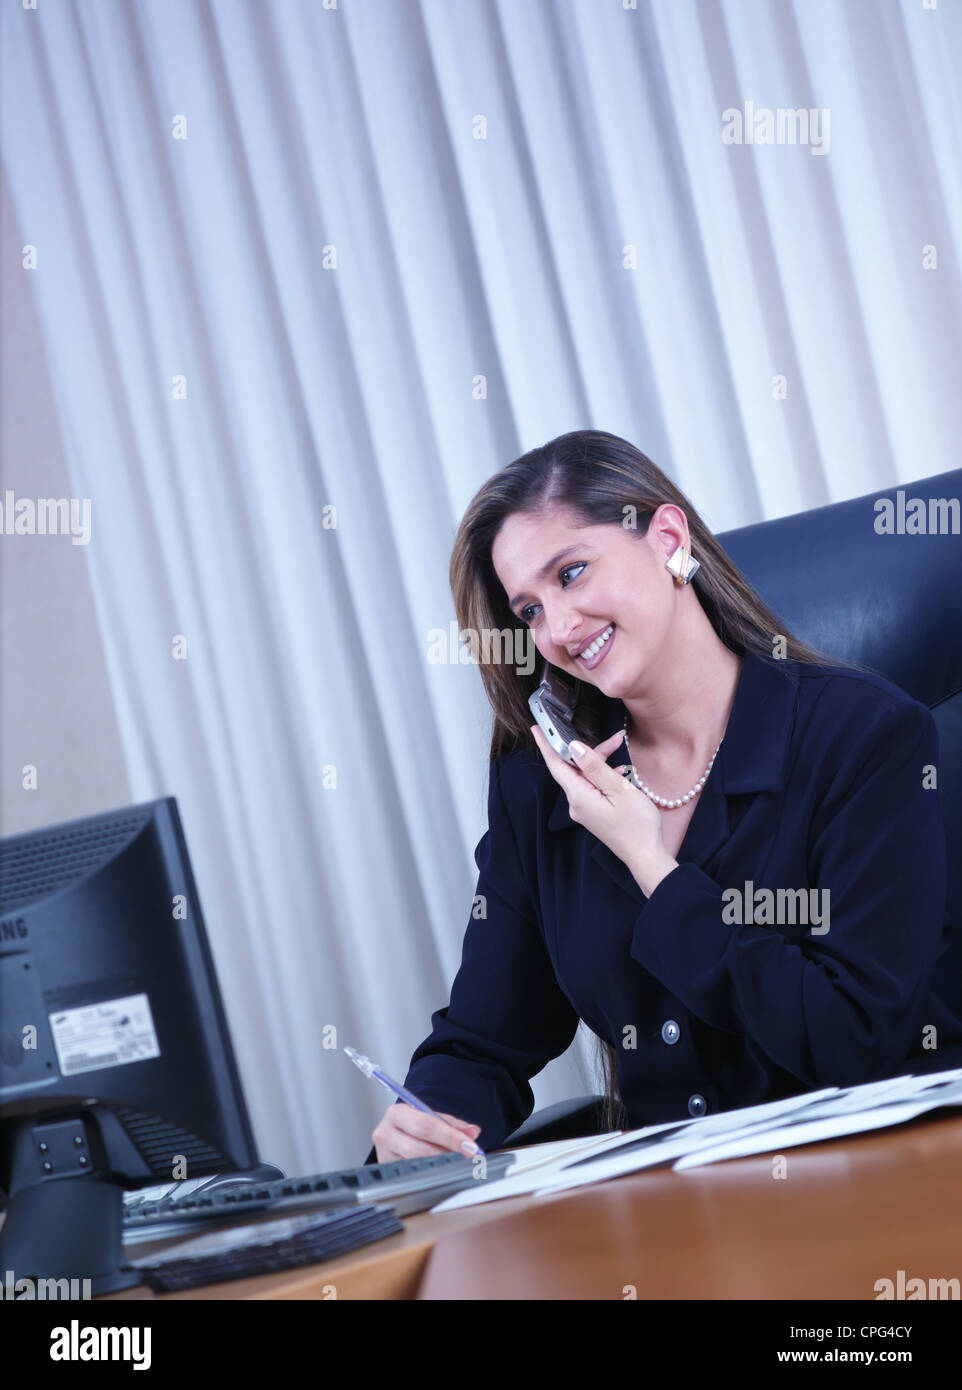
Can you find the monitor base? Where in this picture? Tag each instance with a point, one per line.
(67, 1231)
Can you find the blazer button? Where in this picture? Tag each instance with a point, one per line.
(670, 1031)
(697, 1105)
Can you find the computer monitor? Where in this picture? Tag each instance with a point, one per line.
(116, 1064)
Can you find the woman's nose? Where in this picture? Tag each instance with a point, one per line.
(564, 625)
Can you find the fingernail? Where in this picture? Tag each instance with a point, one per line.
(576, 747)
(468, 1147)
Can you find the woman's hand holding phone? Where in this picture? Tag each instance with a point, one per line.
(602, 800)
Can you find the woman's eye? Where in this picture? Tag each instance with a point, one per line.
(568, 568)
(524, 615)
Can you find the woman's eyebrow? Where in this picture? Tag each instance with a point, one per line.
(546, 569)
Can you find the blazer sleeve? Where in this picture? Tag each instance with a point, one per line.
(507, 1016)
(845, 1006)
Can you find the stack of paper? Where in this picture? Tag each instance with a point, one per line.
(545, 1169)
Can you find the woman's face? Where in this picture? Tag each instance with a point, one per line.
(598, 599)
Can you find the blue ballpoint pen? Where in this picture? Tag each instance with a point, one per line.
(371, 1069)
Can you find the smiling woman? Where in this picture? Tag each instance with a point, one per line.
(753, 759)
(584, 501)
(573, 538)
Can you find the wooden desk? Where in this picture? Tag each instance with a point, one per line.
(849, 1212)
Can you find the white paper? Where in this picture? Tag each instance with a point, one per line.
(555, 1151)
(530, 1177)
(531, 1167)
(905, 1098)
(830, 1127)
(869, 1106)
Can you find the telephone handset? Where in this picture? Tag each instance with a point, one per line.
(553, 706)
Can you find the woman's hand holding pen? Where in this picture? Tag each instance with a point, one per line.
(403, 1132)
(602, 800)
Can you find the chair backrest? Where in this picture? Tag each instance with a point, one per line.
(890, 600)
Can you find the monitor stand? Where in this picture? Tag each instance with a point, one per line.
(55, 1228)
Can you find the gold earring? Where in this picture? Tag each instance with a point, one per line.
(682, 565)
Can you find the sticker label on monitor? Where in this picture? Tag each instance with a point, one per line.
(108, 1034)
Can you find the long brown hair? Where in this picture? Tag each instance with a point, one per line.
(596, 477)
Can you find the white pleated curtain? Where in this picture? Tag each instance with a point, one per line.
(307, 276)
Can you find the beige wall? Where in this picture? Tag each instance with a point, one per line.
(56, 710)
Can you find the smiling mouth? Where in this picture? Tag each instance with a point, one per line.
(590, 655)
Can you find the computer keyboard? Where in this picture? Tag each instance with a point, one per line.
(406, 1184)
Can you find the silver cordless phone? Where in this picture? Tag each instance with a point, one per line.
(553, 706)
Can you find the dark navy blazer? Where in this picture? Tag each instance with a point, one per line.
(819, 783)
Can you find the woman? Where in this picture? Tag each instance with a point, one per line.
(757, 909)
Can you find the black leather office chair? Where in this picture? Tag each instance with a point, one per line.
(891, 602)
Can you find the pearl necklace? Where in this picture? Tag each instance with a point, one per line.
(666, 803)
